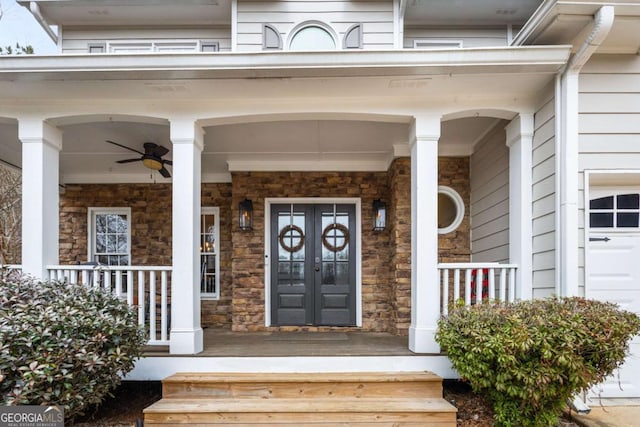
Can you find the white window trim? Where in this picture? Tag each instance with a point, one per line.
(267, 246)
(91, 232)
(313, 23)
(215, 211)
(457, 200)
(436, 44)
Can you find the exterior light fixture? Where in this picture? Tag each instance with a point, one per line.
(379, 215)
(245, 215)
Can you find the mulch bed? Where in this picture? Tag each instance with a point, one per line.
(124, 409)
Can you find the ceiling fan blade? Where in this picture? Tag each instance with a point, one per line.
(167, 162)
(160, 151)
(164, 172)
(129, 161)
(125, 147)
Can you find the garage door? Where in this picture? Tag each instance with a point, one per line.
(613, 273)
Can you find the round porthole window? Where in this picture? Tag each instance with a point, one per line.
(450, 210)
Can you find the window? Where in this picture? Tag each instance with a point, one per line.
(110, 236)
(450, 210)
(209, 253)
(615, 211)
(209, 46)
(436, 44)
(97, 47)
(312, 37)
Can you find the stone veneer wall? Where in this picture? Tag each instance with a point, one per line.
(456, 246)
(248, 246)
(150, 229)
(399, 223)
(452, 247)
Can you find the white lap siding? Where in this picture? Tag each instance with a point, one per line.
(489, 173)
(376, 17)
(544, 197)
(609, 123)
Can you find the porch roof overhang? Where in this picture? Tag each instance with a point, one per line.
(565, 22)
(264, 65)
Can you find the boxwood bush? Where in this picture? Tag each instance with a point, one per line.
(530, 357)
(63, 344)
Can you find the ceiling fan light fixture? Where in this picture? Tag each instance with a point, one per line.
(154, 164)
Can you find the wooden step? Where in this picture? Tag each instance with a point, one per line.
(323, 412)
(303, 385)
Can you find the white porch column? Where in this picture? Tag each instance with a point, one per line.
(425, 283)
(41, 145)
(186, 333)
(519, 141)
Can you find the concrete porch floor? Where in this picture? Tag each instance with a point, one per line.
(225, 343)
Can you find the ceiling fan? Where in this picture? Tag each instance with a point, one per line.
(151, 158)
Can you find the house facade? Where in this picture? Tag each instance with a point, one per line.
(329, 166)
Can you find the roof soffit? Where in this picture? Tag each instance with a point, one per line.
(568, 21)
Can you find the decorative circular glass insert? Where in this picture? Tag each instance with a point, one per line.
(335, 237)
(450, 210)
(291, 238)
(312, 37)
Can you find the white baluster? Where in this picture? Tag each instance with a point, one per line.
(456, 285)
(512, 285)
(467, 287)
(503, 284)
(445, 291)
(130, 287)
(492, 284)
(163, 306)
(141, 289)
(152, 306)
(118, 283)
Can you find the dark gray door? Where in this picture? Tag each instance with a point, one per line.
(313, 277)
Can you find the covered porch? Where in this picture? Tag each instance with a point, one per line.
(342, 139)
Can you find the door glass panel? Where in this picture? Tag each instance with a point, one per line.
(342, 273)
(602, 203)
(628, 201)
(601, 220)
(291, 248)
(328, 273)
(627, 219)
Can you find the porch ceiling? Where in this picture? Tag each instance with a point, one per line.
(301, 145)
(465, 12)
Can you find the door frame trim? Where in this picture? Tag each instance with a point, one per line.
(632, 178)
(268, 201)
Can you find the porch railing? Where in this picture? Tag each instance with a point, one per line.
(146, 288)
(476, 282)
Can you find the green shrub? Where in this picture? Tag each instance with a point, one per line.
(63, 344)
(528, 358)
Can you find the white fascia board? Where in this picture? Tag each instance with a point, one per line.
(538, 22)
(530, 59)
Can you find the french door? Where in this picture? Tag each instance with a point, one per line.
(313, 268)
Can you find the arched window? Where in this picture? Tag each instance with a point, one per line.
(312, 37)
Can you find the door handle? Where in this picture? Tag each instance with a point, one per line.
(317, 268)
(599, 239)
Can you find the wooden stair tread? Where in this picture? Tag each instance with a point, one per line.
(353, 405)
(333, 377)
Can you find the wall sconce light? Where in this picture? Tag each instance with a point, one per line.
(245, 215)
(379, 215)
